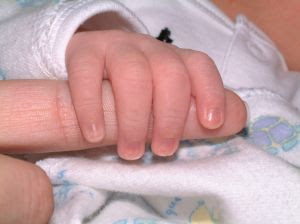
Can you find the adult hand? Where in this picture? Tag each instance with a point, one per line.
(38, 116)
(25, 193)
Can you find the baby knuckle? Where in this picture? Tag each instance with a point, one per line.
(87, 102)
(135, 73)
(137, 84)
(133, 119)
(171, 125)
(173, 70)
(86, 81)
(134, 128)
(147, 39)
(82, 65)
(196, 57)
(135, 60)
(117, 34)
(81, 70)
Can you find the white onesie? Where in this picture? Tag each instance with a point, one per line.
(250, 178)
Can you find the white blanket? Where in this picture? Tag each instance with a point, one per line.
(247, 179)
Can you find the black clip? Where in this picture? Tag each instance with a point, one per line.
(165, 36)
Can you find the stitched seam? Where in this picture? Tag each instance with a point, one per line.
(212, 14)
(48, 28)
(229, 53)
(247, 25)
(43, 31)
(248, 93)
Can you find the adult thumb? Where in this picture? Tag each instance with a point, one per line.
(25, 193)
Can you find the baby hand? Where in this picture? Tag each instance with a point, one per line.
(146, 75)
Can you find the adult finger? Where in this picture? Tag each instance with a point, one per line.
(25, 193)
(45, 108)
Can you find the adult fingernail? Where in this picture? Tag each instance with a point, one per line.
(247, 111)
(131, 150)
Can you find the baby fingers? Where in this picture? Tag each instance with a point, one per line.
(146, 75)
(171, 98)
(207, 88)
(130, 75)
(85, 70)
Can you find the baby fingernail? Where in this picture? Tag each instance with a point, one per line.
(214, 118)
(166, 147)
(94, 133)
(131, 150)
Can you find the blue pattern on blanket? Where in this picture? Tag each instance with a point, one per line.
(61, 192)
(65, 190)
(190, 149)
(181, 210)
(141, 221)
(274, 134)
(2, 74)
(34, 3)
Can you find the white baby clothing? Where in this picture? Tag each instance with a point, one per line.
(253, 177)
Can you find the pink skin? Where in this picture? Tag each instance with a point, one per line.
(38, 116)
(144, 73)
(46, 109)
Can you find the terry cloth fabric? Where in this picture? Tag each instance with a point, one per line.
(250, 178)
